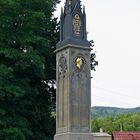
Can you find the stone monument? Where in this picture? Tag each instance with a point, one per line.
(73, 75)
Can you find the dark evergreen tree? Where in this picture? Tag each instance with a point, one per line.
(28, 34)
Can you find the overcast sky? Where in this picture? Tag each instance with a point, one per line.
(114, 25)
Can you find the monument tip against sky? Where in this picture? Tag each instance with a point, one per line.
(73, 75)
(73, 24)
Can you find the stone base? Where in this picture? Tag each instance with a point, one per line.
(74, 136)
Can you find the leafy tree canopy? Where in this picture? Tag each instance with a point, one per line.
(28, 34)
(124, 122)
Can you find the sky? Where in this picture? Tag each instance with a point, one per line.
(114, 25)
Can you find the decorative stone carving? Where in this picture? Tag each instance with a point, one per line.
(62, 65)
(62, 92)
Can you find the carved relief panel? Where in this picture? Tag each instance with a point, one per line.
(80, 91)
(62, 66)
(62, 91)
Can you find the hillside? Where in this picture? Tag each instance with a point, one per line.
(101, 111)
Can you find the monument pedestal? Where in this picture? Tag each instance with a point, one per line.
(74, 136)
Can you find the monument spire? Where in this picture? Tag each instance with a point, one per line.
(73, 97)
(73, 24)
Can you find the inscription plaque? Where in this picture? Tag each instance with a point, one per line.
(77, 25)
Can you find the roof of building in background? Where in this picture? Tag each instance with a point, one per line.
(126, 136)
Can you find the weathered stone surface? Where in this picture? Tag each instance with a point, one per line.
(74, 136)
(73, 75)
(73, 90)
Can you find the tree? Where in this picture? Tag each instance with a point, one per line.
(124, 122)
(93, 60)
(95, 125)
(28, 34)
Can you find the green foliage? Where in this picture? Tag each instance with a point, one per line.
(124, 122)
(28, 34)
(93, 61)
(101, 111)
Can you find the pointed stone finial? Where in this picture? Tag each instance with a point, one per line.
(61, 9)
(83, 9)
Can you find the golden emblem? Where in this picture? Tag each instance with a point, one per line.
(77, 17)
(79, 62)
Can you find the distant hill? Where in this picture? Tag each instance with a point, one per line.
(101, 111)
